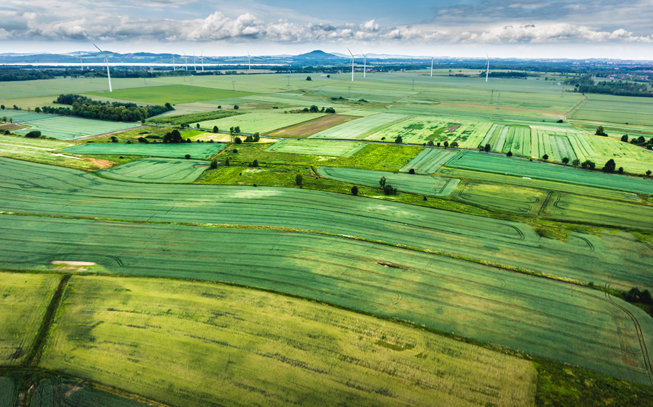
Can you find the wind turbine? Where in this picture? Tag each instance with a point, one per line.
(487, 73)
(364, 63)
(352, 64)
(174, 67)
(185, 58)
(202, 58)
(249, 63)
(194, 65)
(106, 62)
(433, 57)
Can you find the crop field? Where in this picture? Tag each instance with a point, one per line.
(415, 184)
(421, 129)
(428, 161)
(531, 169)
(524, 201)
(505, 138)
(615, 109)
(177, 150)
(579, 209)
(261, 122)
(8, 396)
(29, 89)
(313, 126)
(360, 128)
(22, 116)
(559, 321)
(313, 351)
(317, 147)
(160, 95)
(168, 171)
(22, 319)
(55, 392)
(500, 179)
(71, 128)
(42, 151)
(613, 258)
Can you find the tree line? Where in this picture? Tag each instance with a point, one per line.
(83, 106)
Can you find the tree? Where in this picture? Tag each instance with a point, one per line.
(430, 143)
(610, 166)
(187, 156)
(169, 106)
(411, 171)
(487, 148)
(37, 110)
(600, 131)
(308, 78)
(226, 162)
(33, 134)
(236, 107)
(354, 190)
(399, 140)
(545, 157)
(237, 140)
(214, 164)
(382, 182)
(620, 170)
(624, 138)
(565, 160)
(330, 110)
(648, 173)
(219, 107)
(254, 164)
(198, 125)
(454, 144)
(314, 109)
(2, 107)
(256, 137)
(389, 190)
(237, 129)
(299, 179)
(446, 144)
(588, 164)
(576, 162)
(114, 139)
(173, 137)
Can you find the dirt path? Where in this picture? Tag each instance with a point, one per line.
(102, 164)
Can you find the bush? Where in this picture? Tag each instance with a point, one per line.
(565, 160)
(588, 165)
(314, 109)
(354, 190)
(454, 144)
(234, 151)
(237, 140)
(648, 173)
(214, 164)
(114, 139)
(487, 148)
(143, 140)
(299, 179)
(446, 144)
(576, 162)
(620, 170)
(198, 125)
(308, 78)
(610, 166)
(215, 129)
(509, 154)
(545, 157)
(430, 143)
(33, 134)
(226, 162)
(624, 138)
(411, 171)
(254, 164)
(236, 107)
(399, 140)
(600, 131)
(389, 190)
(219, 107)
(382, 182)
(330, 110)
(640, 296)
(187, 156)
(560, 121)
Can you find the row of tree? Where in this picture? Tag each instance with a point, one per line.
(83, 106)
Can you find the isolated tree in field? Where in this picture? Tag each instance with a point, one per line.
(236, 107)
(254, 164)
(399, 140)
(565, 160)
(446, 144)
(430, 143)
(545, 157)
(219, 107)
(382, 182)
(600, 131)
(454, 144)
(256, 137)
(487, 148)
(2, 107)
(354, 190)
(237, 140)
(610, 166)
(648, 173)
(620, 170)
(509, 154)
(576, 162)
(33, 134)
(214, 164)
(226, 162)
(411, 171)
(187, 156)
(198, 125)
(299, 179)
(389, 190)
(624, 138)
(215, 129)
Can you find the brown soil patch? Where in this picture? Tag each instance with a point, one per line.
(313, 126)
(102, 164)
(11, 126)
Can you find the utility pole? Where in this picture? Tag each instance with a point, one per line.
(492, 96)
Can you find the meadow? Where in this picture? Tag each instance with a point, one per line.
(246, 336)
(260, 122)
(158, 170)
(420, 130)
(615, 109)
(317, 147)
(173, 150)
(526, 201)
(358, 128)
(22, 318)
(428, 161)
(71, 128)
(609, 257)
(160, 95)
(41, 151)
(416, 184)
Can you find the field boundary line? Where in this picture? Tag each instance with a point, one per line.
(545, 203)
(576, 107)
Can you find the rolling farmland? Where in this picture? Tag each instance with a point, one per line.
(498, 198)
(317, 147)
(261, 122)
(422, 129)
(359, 128)
(173, 150)
(42, 151)
(157, 170)
(313, 126)
(22, 319)
(428, 161)
(160, 95)
(251, 334)
(416, 184)
(71, 128)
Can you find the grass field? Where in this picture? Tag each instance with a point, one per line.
(178, 150)
(422, 129)
(615, 109)
(160, 95)
(57, 392)
(559, 321)
(531, 169)
(317, 354)
(415, 184)
(261, 122)
(194, 117)
(157, 170)
(71, 128)
(615, 258)
(313, 126)
(21, 318)
(428, 161)
(317, 147)
(41, 151)
(358, 128)
(498, 198)
(22, 116)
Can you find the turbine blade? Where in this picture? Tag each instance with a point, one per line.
(98, 48)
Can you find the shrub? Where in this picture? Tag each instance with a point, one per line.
(114, 139)
(330, 110)
(187, 156)
(446, 144)
(142, 140)
(576, 162)
(565, 160)
(430, 143)
(600, 131)
(399, 140)
(487, 148)
(354, 190)
(236, 107)
(219, 107)
(454, 144)
(389, 190)
(509, 154)
(624, 138)
(33, 134)
(299, 179)
(234, 151)
(620, 170)
(254, 164)
(560, 121)
(545, 157)
(214, 164)
(198, 125)
(226, 162)
(411, 171)
(308, 78)
(648, 173)
(314, 109)
(215, 129)
(382, 182)
(237, 140)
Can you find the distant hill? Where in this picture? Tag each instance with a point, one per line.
(317, 54)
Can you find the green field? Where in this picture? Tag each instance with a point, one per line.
(531, 169)
(8, 396)
(41, 151)
(193, 117)
(415, 184)
(71, 128)
(261, 122)
(21, 319)
(22, 116)
(621, 260)
(615, 109)
(158, 170)
(428, 161)
(178, 150)
(317, 147)
(160, 95)
(422, 129)
(358, 128)
(498, 198)
(314, 352)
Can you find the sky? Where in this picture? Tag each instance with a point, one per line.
(453, 28)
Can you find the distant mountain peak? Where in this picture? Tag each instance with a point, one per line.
(317, 54)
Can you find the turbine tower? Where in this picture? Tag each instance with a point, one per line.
(106, 62)
(249, 61)
(185, 58)
(433, 57)
(364, 63)
(352, 64)
(194, 64)
(202, 59)
(487, 72)
(174, 67)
